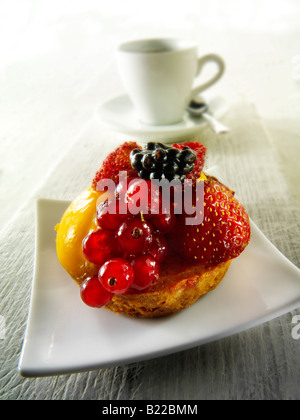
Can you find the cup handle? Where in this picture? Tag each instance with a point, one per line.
(201, 63)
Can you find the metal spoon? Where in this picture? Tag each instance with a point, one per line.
(197, 109)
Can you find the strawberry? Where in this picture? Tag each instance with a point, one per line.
(200, 150)
(224, 232)
(116, 161)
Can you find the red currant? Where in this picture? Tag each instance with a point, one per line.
(111, 213)
(99, 246)
(93, 293)
(146, 271)
(159, 248)
(116, 275)
(135, 236)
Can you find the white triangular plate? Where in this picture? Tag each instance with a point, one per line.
(64, 336)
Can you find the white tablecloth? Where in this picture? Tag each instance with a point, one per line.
(57, 65)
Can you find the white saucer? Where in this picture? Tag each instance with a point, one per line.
(119, 114)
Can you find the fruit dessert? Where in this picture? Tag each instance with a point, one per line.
(153, 232)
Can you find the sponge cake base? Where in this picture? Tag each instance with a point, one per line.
(179, 286)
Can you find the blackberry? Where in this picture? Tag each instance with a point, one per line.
(159, 161)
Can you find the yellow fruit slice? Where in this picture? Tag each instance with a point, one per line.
(77, 221)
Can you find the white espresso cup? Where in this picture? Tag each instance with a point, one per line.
(158, 75)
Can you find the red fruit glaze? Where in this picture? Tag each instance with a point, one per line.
(116, 275)
(164, 223)
(159, 248)
(135, 236)
(93, 293)
(111, 213)
(146, 271)
(99, 246)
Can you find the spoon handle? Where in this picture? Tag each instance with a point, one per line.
(215, 124)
